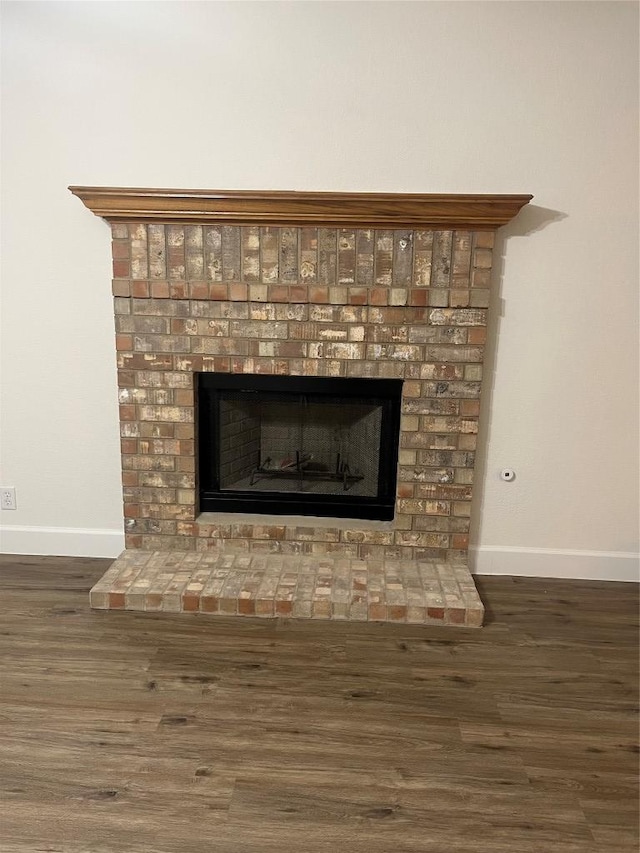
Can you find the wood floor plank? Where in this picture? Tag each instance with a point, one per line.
(159, 733)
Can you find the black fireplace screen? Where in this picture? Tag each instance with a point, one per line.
(298, 446)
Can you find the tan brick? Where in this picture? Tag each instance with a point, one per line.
(410, 423)
(424, 540)
(482, 258)
(166, 413)
(121, 287)
(457, 317)
(444, 491)
(484, 239)
(396, 352)
(420, 507)
(462, 509)
(480, 298)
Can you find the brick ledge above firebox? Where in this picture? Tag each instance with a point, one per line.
(224, 518)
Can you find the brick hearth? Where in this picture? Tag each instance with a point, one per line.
(239, 584)
(299, 285)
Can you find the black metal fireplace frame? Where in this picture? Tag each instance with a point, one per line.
(386, 393)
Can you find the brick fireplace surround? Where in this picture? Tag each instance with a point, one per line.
(299, 284)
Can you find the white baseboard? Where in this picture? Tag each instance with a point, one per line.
(483, 560)
(61, 541)
(552, 563)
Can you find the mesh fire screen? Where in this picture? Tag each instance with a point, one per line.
(299, 445)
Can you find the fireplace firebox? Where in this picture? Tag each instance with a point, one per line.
(290, 445)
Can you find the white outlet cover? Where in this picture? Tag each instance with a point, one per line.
(8, 498)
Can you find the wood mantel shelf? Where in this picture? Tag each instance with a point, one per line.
(296, 209)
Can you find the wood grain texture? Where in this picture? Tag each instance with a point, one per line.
(151, 733)
(329, 210)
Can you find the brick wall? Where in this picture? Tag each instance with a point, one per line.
(311, 302)
(239, 442)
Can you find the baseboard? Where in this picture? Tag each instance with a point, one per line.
(61, 541)
(484, 560)
(552, 563)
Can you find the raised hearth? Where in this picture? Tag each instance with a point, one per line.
(231, 583)
(282, 288)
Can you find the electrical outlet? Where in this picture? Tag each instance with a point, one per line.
(7, 497)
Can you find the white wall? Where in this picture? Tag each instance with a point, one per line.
(408, 97)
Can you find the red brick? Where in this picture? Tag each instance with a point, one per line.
(218, 292)
(469, 408)
(435, 612)
(419, 296)
(178, 290)
(121, 269)
(160, 289)
(298, 293)
(278, 293)
(127, 412)
(190, 602)
(238, 292)
(140, 289)
(120, 249)
(397, 613)
(455, 615)
(124, 342)
(379, 296)
(284, 608)
(477, 334)
(405, 490)
(377, 612)
(246, 606)
(357, 296)
(198, 290)
(318, 295)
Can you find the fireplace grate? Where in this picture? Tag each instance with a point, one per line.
(303, 469)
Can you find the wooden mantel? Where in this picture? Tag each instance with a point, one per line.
(296, 209)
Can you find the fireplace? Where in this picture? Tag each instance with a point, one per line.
(265, 341)
(298, 446)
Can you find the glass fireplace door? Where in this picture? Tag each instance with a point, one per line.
(290, 445)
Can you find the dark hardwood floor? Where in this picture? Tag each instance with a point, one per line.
(131, 732)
